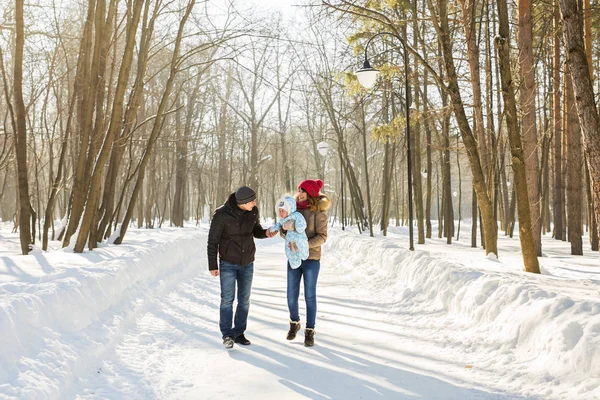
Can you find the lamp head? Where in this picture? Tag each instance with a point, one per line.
(367, 75)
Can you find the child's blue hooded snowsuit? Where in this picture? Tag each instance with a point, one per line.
(297, 235)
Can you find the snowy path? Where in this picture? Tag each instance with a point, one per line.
(366, 347)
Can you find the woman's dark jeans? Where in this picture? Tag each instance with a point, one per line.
(309, 269)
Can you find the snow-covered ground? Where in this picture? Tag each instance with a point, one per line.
(140, 321)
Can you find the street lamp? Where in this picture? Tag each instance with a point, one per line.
(367, 76)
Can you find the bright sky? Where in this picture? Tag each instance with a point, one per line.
(288, 8)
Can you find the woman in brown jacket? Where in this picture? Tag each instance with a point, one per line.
(312, 204)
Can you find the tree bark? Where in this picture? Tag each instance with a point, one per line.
(502, 42)
(574, 174)
(25, 209)
(115, 124)
(584, 93)
(557, 204)
(528, 124)
(485, 204)
(82, 91)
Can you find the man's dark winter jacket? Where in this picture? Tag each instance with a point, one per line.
(232, 233)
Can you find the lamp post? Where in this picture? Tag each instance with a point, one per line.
(367, 76)
(323, 148)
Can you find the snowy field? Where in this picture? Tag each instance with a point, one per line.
(140, 321)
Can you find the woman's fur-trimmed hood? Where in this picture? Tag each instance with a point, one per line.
(324, 203)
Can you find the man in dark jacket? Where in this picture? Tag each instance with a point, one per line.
(232, 231)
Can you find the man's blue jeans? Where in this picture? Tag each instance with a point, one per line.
(309, 269)
(229, 274)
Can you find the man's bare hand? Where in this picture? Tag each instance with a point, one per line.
(214, 272)
(271, 234)
(289, 226)
(293, 247)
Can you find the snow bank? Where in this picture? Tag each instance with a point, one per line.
(54, 329)
(532, 325)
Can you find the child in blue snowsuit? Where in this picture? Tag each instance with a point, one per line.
(286, 209)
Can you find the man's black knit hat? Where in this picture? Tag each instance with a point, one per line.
(244, 195)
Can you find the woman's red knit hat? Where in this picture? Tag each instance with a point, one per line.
(312, 187)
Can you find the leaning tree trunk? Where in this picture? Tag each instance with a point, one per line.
(107, 207)
(485, 204)
(115, 124)
(468, 16)
(584, 93)
(82, 88)
(21, 134)
(518, 163)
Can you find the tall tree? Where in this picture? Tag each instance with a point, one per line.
(158, 122)
(529, 135)
(557, 165)
(584, 92)
(25, 209)
(574, 173)
(116, 120)
(518, 162)
(479, 183)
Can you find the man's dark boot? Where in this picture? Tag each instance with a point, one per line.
(242, 340)
(309, 337)
(294, 328)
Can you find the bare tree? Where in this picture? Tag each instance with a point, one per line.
(25, 209)
(529, 129)
(516, 149)
(584, 92)
(158, 122)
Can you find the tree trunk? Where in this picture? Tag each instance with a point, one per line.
(429, 169)
(528, 124)
(468, 16)
(387, 167)
(584, 93)
(518, 163)
(363, 128)
(82, 89)
(574, 174)
(25, 209)
(57, 181)
(479, 183)
(133, 111)
(222, 129)
(557, 205)
(416, 172)
(180, 167)
(115, 124)
(592, 223)
(474, 219)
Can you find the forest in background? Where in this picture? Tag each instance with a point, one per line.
(120, 113)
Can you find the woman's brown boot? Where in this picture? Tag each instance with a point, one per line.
(309, 337)
(294, 328)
